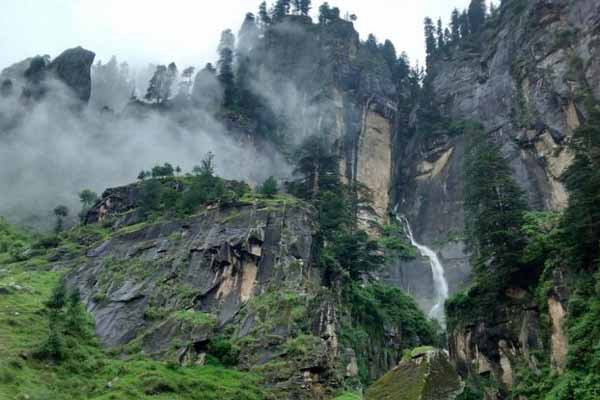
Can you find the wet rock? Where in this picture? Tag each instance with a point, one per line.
(426, 375)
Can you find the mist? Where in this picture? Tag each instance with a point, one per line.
(54, 153)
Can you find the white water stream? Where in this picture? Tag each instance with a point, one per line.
(440, 285)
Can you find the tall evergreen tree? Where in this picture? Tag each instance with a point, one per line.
(582, 179)
(226, 75)
(389, 54)
(281, 9)
(324, 13)
(440, 34)
(455, 26)
(305, 6)
(170, 79)
(263, 15)
(430, 41)
(318, 165)
(156, 88)
(494, 211)
(371, 43)
(465, 29)
(477, 12)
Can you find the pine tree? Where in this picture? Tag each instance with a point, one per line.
(170, 79)
(318, 166)
(226, 76)
(324, 13)
(371, 43)
(581, 221)
(61, 212)
(494, 210)
(263, 15)
(455, 26)
(389, 54)
(477, 12)
(269, 188)
(440, 34)
(156, 87)
(430, 42)
(465, 29)
(281, 9)
(305, 6)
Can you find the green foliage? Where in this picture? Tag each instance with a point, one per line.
(494, 211)
(163, 171)
(352, 252)
(224, 350)
(269, 188)
(394, 239)
(196, 318)
(373, 309)
(581, 222)
(74, 367)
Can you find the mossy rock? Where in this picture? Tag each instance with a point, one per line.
(427, 375)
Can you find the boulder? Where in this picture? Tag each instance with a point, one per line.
(426, 374)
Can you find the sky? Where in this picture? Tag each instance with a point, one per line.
(184, 31)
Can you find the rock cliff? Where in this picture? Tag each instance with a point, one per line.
(526, 80)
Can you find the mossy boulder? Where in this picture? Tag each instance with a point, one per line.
(426, 375)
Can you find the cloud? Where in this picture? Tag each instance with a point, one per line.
(53, 153)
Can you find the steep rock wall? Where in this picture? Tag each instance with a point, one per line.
(525, 79)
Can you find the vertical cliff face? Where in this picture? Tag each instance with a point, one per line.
(526, 81)
(335, 86)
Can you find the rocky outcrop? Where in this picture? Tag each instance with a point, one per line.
(514, 336)
(496, 347)
(427, 374)
(36, 77)
(72, 67)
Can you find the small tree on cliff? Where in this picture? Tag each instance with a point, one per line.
(87, 198)
(318, 167)
(61, 212)
(156, 88)
(430, 41)
(455, 26)
(226, 76)
(477, 11)
(269, 188)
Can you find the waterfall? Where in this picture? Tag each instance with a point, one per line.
(437, 270)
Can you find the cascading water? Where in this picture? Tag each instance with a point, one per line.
(437, 270)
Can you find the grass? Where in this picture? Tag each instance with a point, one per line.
(349, 396)
(88, 372)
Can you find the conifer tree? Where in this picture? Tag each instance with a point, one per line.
(226, 76)
(455, 26)
(281, 9)
(389, 54)
(477, 12)
(263, 15)
(318, 165)
(430, 42)
(581, 221)
(305, 6)
(465, 29)
(324, 13)
(440, 34)
(494, 211)
(156, 88)
(371, 43)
